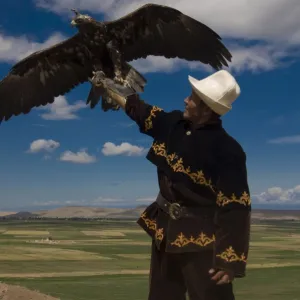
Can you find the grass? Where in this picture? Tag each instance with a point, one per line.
(77, 260)
(91, 287)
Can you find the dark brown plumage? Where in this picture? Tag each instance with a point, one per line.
(164, 31)
(107, 47)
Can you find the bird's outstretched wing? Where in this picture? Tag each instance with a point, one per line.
(39, 78)
(164, 31)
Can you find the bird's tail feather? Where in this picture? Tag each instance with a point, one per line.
(135, 79)
(94, 96)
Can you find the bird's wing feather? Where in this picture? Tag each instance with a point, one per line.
(39, 78)
(163, 31)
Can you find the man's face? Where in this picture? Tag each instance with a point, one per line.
(192, 106)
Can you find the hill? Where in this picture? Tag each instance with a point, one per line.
(133, 213)
(268, 214)
(6, 213)
(78, 212)
(21, 215)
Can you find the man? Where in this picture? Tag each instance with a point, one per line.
(200, 222)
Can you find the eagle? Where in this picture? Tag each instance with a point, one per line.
(101, 50)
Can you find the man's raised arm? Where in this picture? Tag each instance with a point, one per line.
(150, 119)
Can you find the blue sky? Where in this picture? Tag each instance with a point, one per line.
(67, 154)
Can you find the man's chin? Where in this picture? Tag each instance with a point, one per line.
(185, 114)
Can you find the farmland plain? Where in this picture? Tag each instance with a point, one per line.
(74, 260)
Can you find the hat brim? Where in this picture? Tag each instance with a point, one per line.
(217, 107)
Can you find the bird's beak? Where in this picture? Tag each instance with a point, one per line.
(73, 23)
(75, 11)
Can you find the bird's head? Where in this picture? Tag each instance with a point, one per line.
(80, 19)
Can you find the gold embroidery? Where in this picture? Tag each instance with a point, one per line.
(148, 122)
(222, 200)
(151, 224)
(229, 255)
(177, 165)
(159, 234)
(202, 240)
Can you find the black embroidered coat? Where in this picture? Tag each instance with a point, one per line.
(197, 161)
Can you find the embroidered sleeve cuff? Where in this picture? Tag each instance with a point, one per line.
(149, 118)
(232, 240)
(232, 261)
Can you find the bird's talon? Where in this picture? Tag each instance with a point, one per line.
(98, 84)
(119, 80)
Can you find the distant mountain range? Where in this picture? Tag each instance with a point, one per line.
(78, 212)
(130, 213)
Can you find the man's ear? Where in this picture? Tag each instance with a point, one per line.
(196, 99)
(206, 109)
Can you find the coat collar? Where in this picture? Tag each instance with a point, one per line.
(216, 124)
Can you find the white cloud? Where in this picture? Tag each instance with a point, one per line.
(259, 57)
(277, 195)
(146, 200)
(161, 64)
(127, 149)
(43, 145)
(100, 200)
(80, 157)
(238, 19)
(293, 139)
(64, 6)
(81, 202)
(60, 109)
(253, 58)
(46, 203)
(13, 49)
(124, 124)
(39, 125)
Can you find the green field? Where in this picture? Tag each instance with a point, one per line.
(110, 260)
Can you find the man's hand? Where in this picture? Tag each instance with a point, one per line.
(117, 92)
(221, 277)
